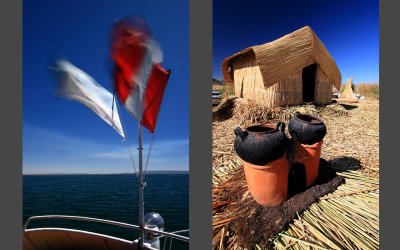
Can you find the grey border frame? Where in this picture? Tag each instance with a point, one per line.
(11, 125)
(200, 140)
(389, 136)
(200, 122)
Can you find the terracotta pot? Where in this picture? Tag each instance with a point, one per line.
(268, 184)
(309, 155)
(307, 129)
(260, 144)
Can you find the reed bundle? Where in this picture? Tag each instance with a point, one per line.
(347, 93)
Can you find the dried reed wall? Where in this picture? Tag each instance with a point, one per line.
(248, 79)
(249, 84)
(323, 88)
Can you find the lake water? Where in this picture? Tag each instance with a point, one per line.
(111, 197)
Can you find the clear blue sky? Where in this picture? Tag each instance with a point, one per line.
(65, 136)
(349, 30)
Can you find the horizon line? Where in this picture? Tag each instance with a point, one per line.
(115, 173)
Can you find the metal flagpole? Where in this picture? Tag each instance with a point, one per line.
(141, 187)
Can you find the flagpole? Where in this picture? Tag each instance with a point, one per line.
(141, 187)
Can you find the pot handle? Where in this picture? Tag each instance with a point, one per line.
(281, 126)
(239, 132)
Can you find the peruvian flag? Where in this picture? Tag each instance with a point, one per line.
(139, 78)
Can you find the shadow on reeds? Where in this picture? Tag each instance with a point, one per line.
(344, 163)
(297, 177)
(348, 107)
(224, 110)
(326, 173)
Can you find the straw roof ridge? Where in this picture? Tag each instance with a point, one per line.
(286, 55)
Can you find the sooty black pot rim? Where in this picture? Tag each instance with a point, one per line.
(308, 118)
(263, 128)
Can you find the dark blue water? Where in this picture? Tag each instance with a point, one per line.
(111, 197)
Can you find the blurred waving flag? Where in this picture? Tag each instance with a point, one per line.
(74, 84)
(139, 79)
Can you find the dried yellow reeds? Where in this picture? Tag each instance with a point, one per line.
(249, 84)
(345, 219)
(248, 112)
(347, 93)
(369, 90)
(323, 88)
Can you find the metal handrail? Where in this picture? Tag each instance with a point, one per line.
(166, 238)
(110, 222)
(175, 232)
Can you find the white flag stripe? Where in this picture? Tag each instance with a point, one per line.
(75, 84)
(134, 102)
(155, 50)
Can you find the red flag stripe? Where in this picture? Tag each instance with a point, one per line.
(153, 96)
(128, 51)
(140, 80)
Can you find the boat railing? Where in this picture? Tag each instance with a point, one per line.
(170, 239)
(173, 235)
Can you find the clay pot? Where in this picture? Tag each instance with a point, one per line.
(268, 184)
(307, 129)
(309, 155)
(260, 144)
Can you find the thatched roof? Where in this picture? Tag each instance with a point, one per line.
(286, 55)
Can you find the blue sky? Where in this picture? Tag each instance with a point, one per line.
(349, 30)
(64, 136)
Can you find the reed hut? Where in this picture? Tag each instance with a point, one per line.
(293, 69)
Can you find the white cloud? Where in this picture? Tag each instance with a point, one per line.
(53, 151)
